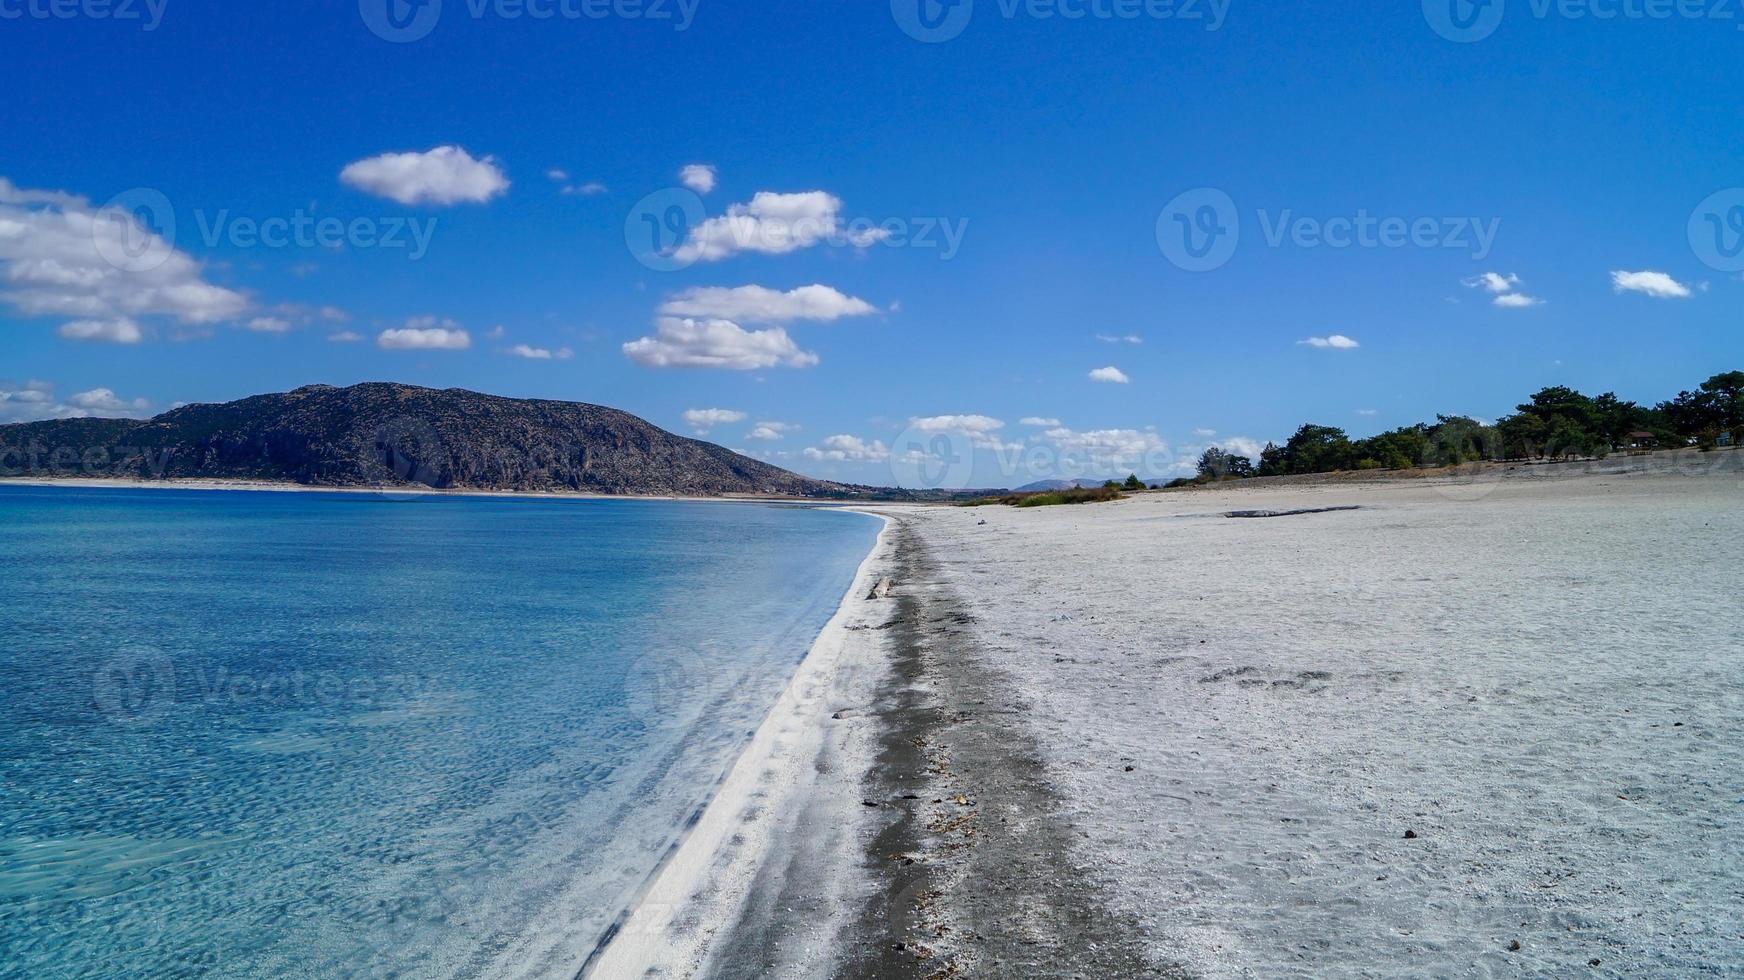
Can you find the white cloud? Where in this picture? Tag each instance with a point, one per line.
(1517, 301)
(557, 175)
(1367, 412)
(1655, 284)
(1337, 341)
(592, 188)
(1242, 446)
(772, 431)
(101, 268)
(269, 324)
(704, 419)
(759, 304)
(443, 176)
(345, 337)
(850, 449)
(425, 333)
(1103, 450)
(540, 353)
(1041, 423)
(35, 401)
(1204, 433)
(699, 177)
(120, 330)
(1494, 282)
(773, 224)
(966, 424)
(1110, 375)
(1505, 289)
(715, 343)
(1130, 338)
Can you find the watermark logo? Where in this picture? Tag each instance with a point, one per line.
(148, 14)
(925, 458)
(1464, 21)
(937, 21)
(400, 21)
(659, 225)
(414, 453)
(135, 687)
(1716, 230)
(933, 21)
(136, 230)
(1199, 230)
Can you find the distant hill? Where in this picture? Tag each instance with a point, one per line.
(398, 435)
(1049, 486)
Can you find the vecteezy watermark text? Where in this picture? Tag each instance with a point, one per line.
(1200, 230)
(405, 21)
(1470, 21)
(137, 231)
(148, 14)
(937, 21)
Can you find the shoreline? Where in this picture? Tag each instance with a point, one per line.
(277, 486)
(698, 899)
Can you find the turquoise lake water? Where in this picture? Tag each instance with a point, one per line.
(279, 734)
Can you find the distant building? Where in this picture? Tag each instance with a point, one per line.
(1641, 442)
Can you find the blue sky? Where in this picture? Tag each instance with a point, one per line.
(1058, 151)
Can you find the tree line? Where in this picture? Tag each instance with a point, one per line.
(1558, 423)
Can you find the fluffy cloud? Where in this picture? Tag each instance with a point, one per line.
(269, 324)
(1102, 450)
(1110, 375)
(1655, 284)
(1242, 446)
(120, 330)
(773, 224)
(1337, 341)
(704, 419)
(850, 449)
(540, 353)
(1517, 301)
(1041, 423)
(759, 304)
(345, 337)
(35, 401)
(443, 176)
(100, 269)
(425, 333)
(772, 431)
(1130, 338)
(699, 177)
(716, 343)
(1505, 289)
(1494, 282)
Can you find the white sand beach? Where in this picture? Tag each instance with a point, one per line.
(1468, 728)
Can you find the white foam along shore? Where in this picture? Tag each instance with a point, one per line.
(699, 893)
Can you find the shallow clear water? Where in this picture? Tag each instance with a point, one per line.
(264, 734)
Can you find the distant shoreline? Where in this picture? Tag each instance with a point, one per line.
(279, 486)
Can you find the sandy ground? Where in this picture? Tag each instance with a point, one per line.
(1396, 740)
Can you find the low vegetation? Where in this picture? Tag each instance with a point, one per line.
(1558, 423)
(1051, 498)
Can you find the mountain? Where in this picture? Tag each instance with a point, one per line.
(398, 435)
(1049, 486)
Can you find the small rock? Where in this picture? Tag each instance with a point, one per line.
(1514, 947)
(868, 803)
(1410, 835)
(1593, 962)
